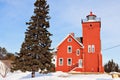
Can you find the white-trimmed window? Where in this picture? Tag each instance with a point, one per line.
(69, 49)
(93, 48)
(69, 39)
(89, 48)
(78, 52)
(60, 61)
(80, 63)
(69, 61)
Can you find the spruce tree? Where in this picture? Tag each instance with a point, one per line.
(35, 51)
(111, 66)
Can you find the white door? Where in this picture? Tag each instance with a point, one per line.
(80, 64)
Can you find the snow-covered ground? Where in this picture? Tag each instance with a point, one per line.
(56, 76)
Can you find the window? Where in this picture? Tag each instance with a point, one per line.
(93, 48)
(77, 52)
(53, 60)
(60, 61)
(89, 48)
(91, 17)
(69, 61)
(69, 49)
(80, 63)
(69, 39)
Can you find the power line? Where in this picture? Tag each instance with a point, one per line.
(111, 47)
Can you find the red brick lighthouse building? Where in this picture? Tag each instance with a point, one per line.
(82, 54)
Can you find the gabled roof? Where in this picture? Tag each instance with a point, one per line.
(73, 38)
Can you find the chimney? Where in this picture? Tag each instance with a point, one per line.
(72, 34)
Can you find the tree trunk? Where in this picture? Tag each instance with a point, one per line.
(33, 74)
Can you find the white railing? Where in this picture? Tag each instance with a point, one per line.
(86, 20)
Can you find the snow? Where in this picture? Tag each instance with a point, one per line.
(114, 73)
(18, 75)
(3, 69)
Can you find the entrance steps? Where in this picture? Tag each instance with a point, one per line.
(77, 69)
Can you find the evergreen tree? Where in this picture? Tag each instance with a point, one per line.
(35, 51)
(111, 66)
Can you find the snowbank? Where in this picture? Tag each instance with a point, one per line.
(61, 74)
(56, 76)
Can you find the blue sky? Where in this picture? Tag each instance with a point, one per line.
(66, 17)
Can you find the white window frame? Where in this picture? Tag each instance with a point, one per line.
(78, 52)
(93, 48)
(60, 64)
(68, 49)
(68, 62)
(89, 48)
(69, 39)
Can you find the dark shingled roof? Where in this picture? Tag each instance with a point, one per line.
(80, 39)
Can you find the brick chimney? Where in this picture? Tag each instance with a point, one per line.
(72, 34)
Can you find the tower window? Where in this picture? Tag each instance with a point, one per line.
(77, 52)
(69, 61)
(89, 48)
(90, 25)
(60, 61)
(93, 48)
(69, 49)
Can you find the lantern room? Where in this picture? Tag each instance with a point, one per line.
(91, 17)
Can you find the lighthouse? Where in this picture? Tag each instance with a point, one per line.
(92, 43)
